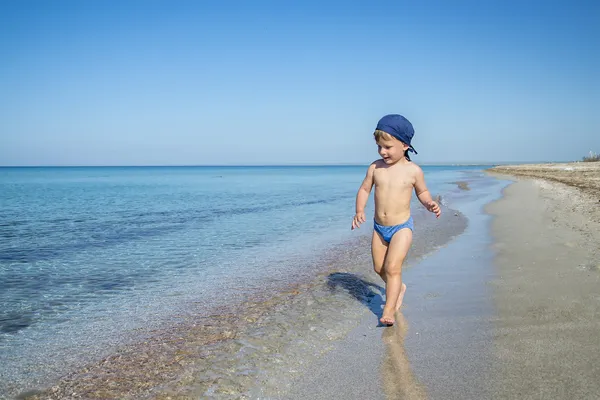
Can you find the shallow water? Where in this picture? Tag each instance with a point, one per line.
(100, 258)
(250, 350)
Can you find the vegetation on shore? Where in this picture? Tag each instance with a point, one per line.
(592, 157)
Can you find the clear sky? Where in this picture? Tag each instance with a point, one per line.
(278, 82)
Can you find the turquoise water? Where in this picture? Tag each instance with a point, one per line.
(87, 254)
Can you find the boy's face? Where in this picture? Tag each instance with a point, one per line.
(391, 150)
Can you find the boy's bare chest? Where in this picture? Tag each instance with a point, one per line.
(393, 180)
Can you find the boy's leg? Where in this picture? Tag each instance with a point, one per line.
(379, 248)
(394, 288)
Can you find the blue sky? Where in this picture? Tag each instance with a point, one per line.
(272, 82)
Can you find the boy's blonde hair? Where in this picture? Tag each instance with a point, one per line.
(382, 135)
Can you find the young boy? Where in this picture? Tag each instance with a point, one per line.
(394, 177)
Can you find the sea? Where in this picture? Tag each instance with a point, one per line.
(95, 259)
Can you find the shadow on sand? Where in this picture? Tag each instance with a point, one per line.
(368, 293)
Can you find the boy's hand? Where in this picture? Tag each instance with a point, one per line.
(434, 208)
(358, 219)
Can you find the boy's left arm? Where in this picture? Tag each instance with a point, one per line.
(423, 194)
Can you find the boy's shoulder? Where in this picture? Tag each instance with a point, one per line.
(415, 166)
(415, 170)
(377, 163)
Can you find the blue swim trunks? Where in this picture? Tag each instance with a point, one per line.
(387, 232)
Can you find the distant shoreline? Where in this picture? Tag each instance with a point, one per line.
(582, 175)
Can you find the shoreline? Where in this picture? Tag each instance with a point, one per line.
(224, 355)
(440, 346)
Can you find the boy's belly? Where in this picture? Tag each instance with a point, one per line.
(392, 207)
(392, 217)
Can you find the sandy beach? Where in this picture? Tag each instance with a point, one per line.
(582, 175)
(547, 243)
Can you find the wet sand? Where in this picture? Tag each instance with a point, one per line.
(462, 185)
(441, 346)
(547, 292)
(515, 315)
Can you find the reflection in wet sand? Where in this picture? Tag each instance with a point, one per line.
(398, 379)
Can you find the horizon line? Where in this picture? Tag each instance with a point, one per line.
(457, 163)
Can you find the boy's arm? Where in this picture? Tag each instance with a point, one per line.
(423, 193)
(362, 196)
(365, 190)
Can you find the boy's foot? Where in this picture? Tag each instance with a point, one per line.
(400, 297)
(387, 319)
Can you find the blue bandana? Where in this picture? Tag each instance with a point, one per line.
(399, 127)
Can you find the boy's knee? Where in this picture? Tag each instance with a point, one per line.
(393, 269)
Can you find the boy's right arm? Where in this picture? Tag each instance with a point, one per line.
(362, 196)
(423, 194)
